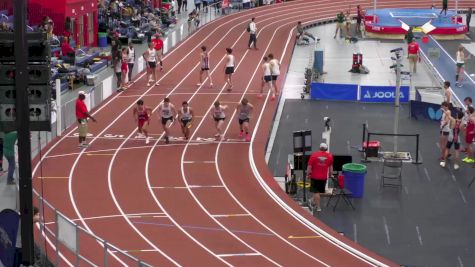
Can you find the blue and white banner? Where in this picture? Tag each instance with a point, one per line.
(9, 221)
(383, 94)
(331, 91)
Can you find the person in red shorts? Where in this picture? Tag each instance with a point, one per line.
(158, 45)
(142, 116)
(320, 166)
(413, 55)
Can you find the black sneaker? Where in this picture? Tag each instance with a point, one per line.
(167, 141)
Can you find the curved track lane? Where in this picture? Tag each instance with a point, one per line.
(197, 203)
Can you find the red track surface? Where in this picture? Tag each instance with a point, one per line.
(239, 209)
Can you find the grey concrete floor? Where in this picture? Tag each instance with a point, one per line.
(426, 222)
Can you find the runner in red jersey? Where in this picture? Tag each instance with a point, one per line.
(142, 117)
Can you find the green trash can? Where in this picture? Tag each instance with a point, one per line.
(354, 178)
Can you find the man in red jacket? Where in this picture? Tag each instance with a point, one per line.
(320, 167)
(82, 114)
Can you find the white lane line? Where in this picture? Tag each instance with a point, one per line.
(462, 195)
(134, 250)
(426, 172)
(205, 186)
(386, 230)
(355, 233)
(168, 187)
(419, 236)
(205, 161)
(238, 255)
(460, 261)
(133, 215)
(406, 190)
(230, 215)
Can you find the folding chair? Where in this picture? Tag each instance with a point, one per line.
(392, 171)
(339, 192)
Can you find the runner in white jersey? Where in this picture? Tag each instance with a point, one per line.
(185, 116)
(167, 112)
(204, 59)
(150, 57)
(244, 111)
(444, 127)
(266, 77)
(229, 68)
(275, 71)
(218, 115)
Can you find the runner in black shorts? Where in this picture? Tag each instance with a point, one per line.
(167, 112)
(205, 67)
(244, 111)
(185, 115)
(219, 116)
(229, 68)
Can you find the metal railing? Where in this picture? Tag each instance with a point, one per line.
(65, 243)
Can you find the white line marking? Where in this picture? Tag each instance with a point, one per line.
(230, 215)
(460, 261)
(355, 233)
(426, 172)
(205, 161)
(238, 255)
(405, 190)
(462, 195)
(386, 230)
(168, 187)
(419, 235)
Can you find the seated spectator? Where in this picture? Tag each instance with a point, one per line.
(66, 49)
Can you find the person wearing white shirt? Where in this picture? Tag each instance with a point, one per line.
(275, 71)
(131, 60)
(252, 34)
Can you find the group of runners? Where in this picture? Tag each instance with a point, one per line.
(453, 124)
(185, 115)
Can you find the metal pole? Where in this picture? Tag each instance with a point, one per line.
(59, 124)
(397, 98)
(304, 165)
(78, 250)
(56, 241)
(23, 128)
(417, 148)
(364, 135)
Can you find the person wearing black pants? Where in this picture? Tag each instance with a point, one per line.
(444, 7)
(469, 17)
(252, 34)
(185, 5)
(179, 3)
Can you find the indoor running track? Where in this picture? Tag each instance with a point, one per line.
(195, 203)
